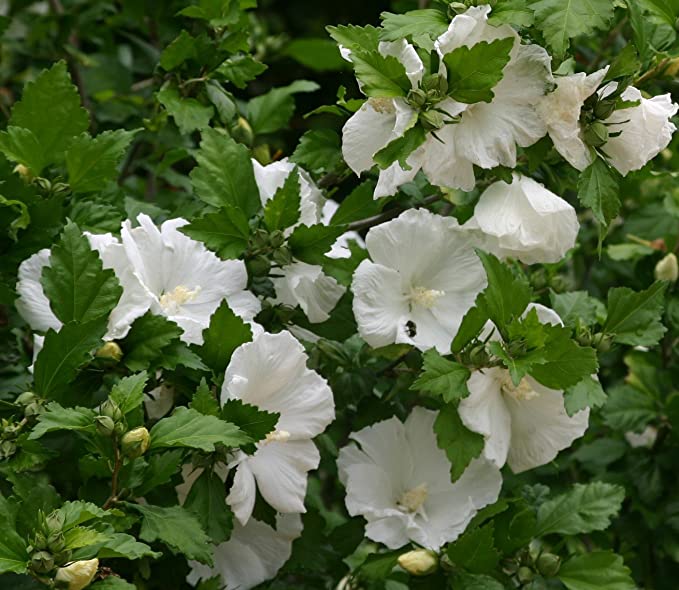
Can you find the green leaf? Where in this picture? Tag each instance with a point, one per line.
(272, 111)
(188, 113)
(415, 23)
(626, 63)
(161, 468)
(207, 501)
(13, 553)
(56, 417)
(50, 108)
(380, 76)
(356, 38)
(465, 581)
(178, 528)
(635, 318)
(598, 189)
(358, 205)
(512, 12)
(224, 174)
(320, 55)
(442, 377)
(128, 393)
(225, 333)
(599, 570)
(182, 48)
(474, 72)
(92, 162)
(204, 402)
(318, 150)
(125, 546)
(472, 324)
(587, 393)
(75, 282)
(583, 509)
(22, 146)
(219, 13)
(240, 69)
(147, 338)
(112, 583)
(628, 408)
(310, 243)
(63, 353)
(400, 148)
(378, 565)
(475, 550)
(577, 305)
(225, 232)
(80, 536)
(460, 444)
(191, 429)
(561, 21)
(250, 419)
(283, 210)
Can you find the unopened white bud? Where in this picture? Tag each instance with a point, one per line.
(667, 269)
(419, 562)
(79, 574)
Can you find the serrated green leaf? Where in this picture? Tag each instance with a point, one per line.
(464, 581)
(283, 209)
(79, 511)
(177, 528)
(358, 205)
(512, 12)
(635, 318)
(13, 553)
(460, 444)
(224, 174)
(161, 468)
(250, 419)
(22, 146)
(309, 243)
(190, 429)
(92, 162)
(474, 72)
(399, 149)
(356, 38)
(147, 338)
(188, 113)
(204, 402)
(318, 149)
(583, 509)
(125, 546)
(587, 393)
(475, 550)
(240, 69)
(112, 583)
(442, 377)
(577, 305)
(225, 232)
(182, 48)
(427, 22)
(272, 111)
(207, 500)
(57, 417)
(599, 570)
(76, 283)
(380, 76)
(598, 189)
(81, 536)
(628, 409)
(128, 393)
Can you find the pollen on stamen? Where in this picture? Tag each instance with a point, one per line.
(425, 297)
(413, 499)
(172, 300)
(523, 391)
(382, 105)
(277, 436)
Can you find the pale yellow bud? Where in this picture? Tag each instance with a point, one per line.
(79, 574)
(667, 269)
(135, 442)
(110, 351)
(24, 172)
(419, 562)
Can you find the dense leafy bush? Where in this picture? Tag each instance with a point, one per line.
(356, 296)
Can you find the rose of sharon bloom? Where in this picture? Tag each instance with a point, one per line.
(526, 221)
(423, 277)
(177, 277)
(271, 177)
(271, 374)
(253, 554)
(486, 134)
(340, 249)
(398, 479)
(34, 306)
(644, 130)
(526, 425)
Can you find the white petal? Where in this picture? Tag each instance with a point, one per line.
(271, 373)
(646, 131)
(242, 495)
(406, 54)
(484, 411)
(541, 427)
(470, 28)
(527, 221)
(445, 164)
(32, 303)
(159, 401)
(391, 178)
(309, 287)
(252, 555)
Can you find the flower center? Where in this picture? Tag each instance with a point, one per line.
(425, 297)
(412, 500)
(171, 301)
(277, 436)
(382, 105)
(523, 391)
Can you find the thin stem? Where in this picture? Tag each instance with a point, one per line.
(118, 463)
(387, 215)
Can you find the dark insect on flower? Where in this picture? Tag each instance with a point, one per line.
(411, 329)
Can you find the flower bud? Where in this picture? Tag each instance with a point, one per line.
(7, 449)
(259, 266)
(416, 98)
(431, 120)
(242, 131)
(42, 562)
(548, 564)
(56, 542)
(24, 172)
(135, 442)
(419, 562)
(525, 574)
(26, 398)
(79, 574)
(667, 269)
(282, 256)
(54, 522)
(604, 109)
(104, 425)
(110, 351)
(596, 134)
(111, 409)
(602, 342)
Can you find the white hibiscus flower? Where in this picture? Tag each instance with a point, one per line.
(34, 306)
(524, 426)
(636, 134)
(423, 277)
(526, 221)
(485, 134)
(398, 479)
(254, 553)
(340, 249)
(271, 374)
(177, 277)
(271, 177)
